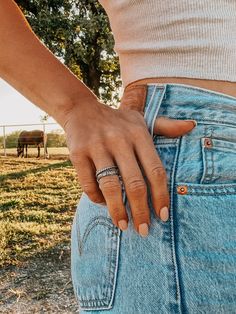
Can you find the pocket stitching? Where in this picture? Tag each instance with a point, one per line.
(207, 176)
(203, 189)
(99, 220)
(106, 301)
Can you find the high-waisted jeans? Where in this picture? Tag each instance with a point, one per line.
(184, 265)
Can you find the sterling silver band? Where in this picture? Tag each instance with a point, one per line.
(108, 171)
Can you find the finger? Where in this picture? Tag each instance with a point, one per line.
(112, 192)
(86, 175)
(156, 175)
(136, 189)
(172, 127)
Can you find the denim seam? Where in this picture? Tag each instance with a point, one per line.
(209, 166)
(178, 267)
(164, 141)
(212, 165)
(214, 186)
(225, 148)
(212, 155)
(225, 140)
(111, 275)
(182, 303)
(207, 174)
(116, 268)
(230, 189)
(204, 121)
(209, 194)
(164, 145)
(204, 162)
(173, 244)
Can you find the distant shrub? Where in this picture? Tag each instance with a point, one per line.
(56, 138)
(12, 139)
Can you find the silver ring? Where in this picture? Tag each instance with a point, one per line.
(108, 171)
(106, 168)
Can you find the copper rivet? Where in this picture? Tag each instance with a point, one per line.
(182, 189)
(208, 142)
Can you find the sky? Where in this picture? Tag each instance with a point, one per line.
(16, 109)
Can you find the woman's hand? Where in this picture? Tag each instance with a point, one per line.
(98, 137)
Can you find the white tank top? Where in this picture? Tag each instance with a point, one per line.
(185, 38)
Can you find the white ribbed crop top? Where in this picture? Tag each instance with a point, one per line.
(180, 38)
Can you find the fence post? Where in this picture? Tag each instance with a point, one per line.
(44, 141)
(4, 140)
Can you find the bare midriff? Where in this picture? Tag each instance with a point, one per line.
(225, 87)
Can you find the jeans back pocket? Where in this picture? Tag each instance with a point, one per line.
(94, 255)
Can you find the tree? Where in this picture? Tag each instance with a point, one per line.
(79, 34)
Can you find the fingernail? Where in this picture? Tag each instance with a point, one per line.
(193, 121)
(143, 229)
(164, 214)
(122, 224)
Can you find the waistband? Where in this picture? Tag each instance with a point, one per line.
(181, 101)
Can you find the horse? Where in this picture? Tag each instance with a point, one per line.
(35, 137)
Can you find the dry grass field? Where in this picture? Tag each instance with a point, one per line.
(37, 205)
(54, 152)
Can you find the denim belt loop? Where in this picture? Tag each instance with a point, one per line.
(153, 106)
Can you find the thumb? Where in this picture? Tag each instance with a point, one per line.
(172, 127)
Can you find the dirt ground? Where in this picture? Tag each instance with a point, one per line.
(39, 285)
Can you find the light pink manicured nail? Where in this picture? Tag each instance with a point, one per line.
(143, 229)
(164, 214)
(193, 121)
(122, 224)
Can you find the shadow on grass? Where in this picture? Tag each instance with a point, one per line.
(44, 254)
(20, 174)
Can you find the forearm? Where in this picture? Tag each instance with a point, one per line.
(33, 70)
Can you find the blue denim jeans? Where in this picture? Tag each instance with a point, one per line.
(184, 265)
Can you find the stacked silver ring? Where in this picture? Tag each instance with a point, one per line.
(109, 171)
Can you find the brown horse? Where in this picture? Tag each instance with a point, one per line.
(35, 137)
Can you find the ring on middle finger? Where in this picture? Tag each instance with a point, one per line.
(110, 171)
(107, 171)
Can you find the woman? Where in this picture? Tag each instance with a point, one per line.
(154, 231)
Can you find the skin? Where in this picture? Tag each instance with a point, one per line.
(35, 72)
(225, 87)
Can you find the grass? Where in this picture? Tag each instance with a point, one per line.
(54, 152)
(37, 205)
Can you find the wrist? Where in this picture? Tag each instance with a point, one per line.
(76, 107)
